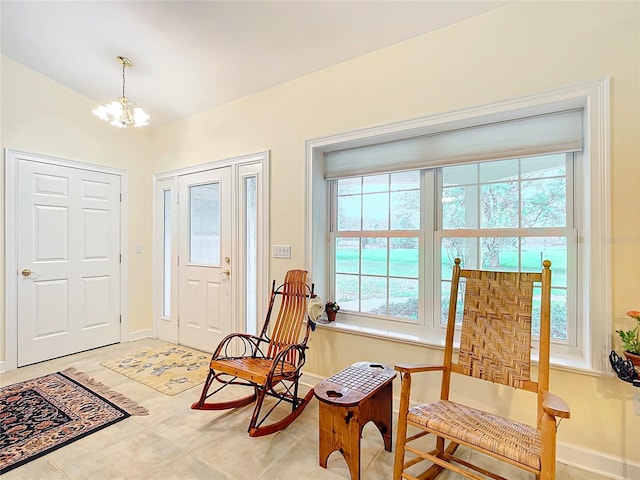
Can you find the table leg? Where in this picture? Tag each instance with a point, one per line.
(340, 430)
(379, 410)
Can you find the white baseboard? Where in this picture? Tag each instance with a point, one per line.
(140, 334)
(610, 466)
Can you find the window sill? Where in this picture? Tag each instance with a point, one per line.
(568, 363)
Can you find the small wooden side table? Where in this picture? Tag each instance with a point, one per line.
(349, 400)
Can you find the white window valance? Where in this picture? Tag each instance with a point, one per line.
(557, 132)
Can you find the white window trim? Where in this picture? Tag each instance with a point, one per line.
(595, 252)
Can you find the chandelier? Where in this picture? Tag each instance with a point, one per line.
(122, 112)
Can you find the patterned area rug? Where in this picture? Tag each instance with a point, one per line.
(43, 414)
(167, 368)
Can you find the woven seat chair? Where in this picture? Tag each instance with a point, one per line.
(269, 364)
(495, 346)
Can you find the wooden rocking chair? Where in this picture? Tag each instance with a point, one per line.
(495, 345)
(270, 363)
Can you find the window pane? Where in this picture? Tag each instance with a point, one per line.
(544, 166)
(466, 249)
(403, 257)
(348, 291)
(403, 298)
(166, 257)
(405, 180)
(251, 248)
(347, 255)
(498, 171)
(205, 224)
(500, 253)
(349, 218)
(375, 183)
(460, 207)
(405, 210)
(350, 186)
(375, 211)
(374, 294)
(445, 295)
(544, 203)
(555, 249)
(374, 256)
(558, 313)
(460, 175)
(499, 205)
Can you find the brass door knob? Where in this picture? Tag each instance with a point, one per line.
(26, 272)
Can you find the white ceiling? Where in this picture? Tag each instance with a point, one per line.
(190, 56)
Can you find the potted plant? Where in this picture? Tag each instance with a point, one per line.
(631, 339)
(331, 308)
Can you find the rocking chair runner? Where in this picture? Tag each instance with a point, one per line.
(495, 345)
(270, 363)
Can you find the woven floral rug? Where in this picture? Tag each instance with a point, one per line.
(167, 368)
(41, 415)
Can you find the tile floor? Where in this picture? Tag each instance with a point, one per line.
(175, 442)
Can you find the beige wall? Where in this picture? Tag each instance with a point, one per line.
(520, 49)
(517, 50)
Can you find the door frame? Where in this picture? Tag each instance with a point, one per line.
(169, 181)
(12, 159)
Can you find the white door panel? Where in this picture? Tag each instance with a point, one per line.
(205, 263)
(68, 235)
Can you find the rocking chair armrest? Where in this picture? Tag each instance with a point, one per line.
(417, 367)
(554, 405)
(279, 359)
(249, 339)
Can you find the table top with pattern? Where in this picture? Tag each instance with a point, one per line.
(354, 384)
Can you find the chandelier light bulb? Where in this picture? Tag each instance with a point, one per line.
(122, 112)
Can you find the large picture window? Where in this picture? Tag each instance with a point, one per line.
(504, 215)
(502, 186)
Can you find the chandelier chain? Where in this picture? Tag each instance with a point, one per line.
(123, 78)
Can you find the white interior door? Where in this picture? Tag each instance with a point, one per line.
(204, 258)
(68, 257)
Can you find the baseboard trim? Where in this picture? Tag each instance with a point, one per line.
(610, 466)
(140, 334)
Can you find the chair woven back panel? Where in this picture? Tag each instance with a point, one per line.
(292, 313)
(495, 343)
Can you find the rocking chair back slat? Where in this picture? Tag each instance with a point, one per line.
(292, 313)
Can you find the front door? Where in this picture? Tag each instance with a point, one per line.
(68, 257)
(204, 204)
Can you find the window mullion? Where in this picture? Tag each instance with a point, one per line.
(430, 272)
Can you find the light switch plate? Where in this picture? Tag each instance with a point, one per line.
(281, 251)
(636, 403)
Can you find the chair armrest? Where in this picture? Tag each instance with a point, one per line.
(251, 343)
(554, 405)
(417, 367)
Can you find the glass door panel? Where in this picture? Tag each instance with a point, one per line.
(204, 231)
